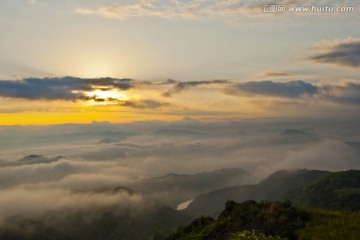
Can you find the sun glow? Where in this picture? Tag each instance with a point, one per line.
(105, 96)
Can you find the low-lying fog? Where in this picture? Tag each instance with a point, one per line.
(51, 168)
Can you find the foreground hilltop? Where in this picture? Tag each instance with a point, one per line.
(271, 221)
(335, 191)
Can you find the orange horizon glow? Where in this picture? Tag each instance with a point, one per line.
(37, 118)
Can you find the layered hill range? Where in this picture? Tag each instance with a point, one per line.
(305, 188)
(173, 189)
(318, 205)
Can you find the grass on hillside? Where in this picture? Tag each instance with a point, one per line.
(331, 225)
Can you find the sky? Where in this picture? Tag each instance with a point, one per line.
(79, 61)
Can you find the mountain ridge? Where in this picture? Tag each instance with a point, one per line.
(271, 188)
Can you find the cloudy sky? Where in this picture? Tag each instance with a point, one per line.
(134, 60)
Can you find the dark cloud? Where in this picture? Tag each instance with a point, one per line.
(346, 53)
(144, 104)
(64, 88)
(276, 74)
(346, 100)
(167, 82)
(139, 104)
(346, 93)
(290, 89)
(182, 86)
(342, 93)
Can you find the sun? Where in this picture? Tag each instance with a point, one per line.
(105, 96)
(108, 94)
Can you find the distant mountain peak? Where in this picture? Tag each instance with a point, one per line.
(122, 189)
(32, 156)
(37, 158)
(109, 140)
(176, 132)
(172, 175)
(292, 132)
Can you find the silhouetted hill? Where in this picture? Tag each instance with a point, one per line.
(34, 159)
(126, 190)
(242, 133)
(272, 188)
(172, 132)
(293, 132)
(200, 181)
(109, 140)
(176, 188)
(355, 146)
(292, 136)
(82, 136)
(151, 222)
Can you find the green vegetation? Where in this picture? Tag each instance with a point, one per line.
(269, 218)
(272, 221)
(335, 191)
(253, 235)
(330, 225)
